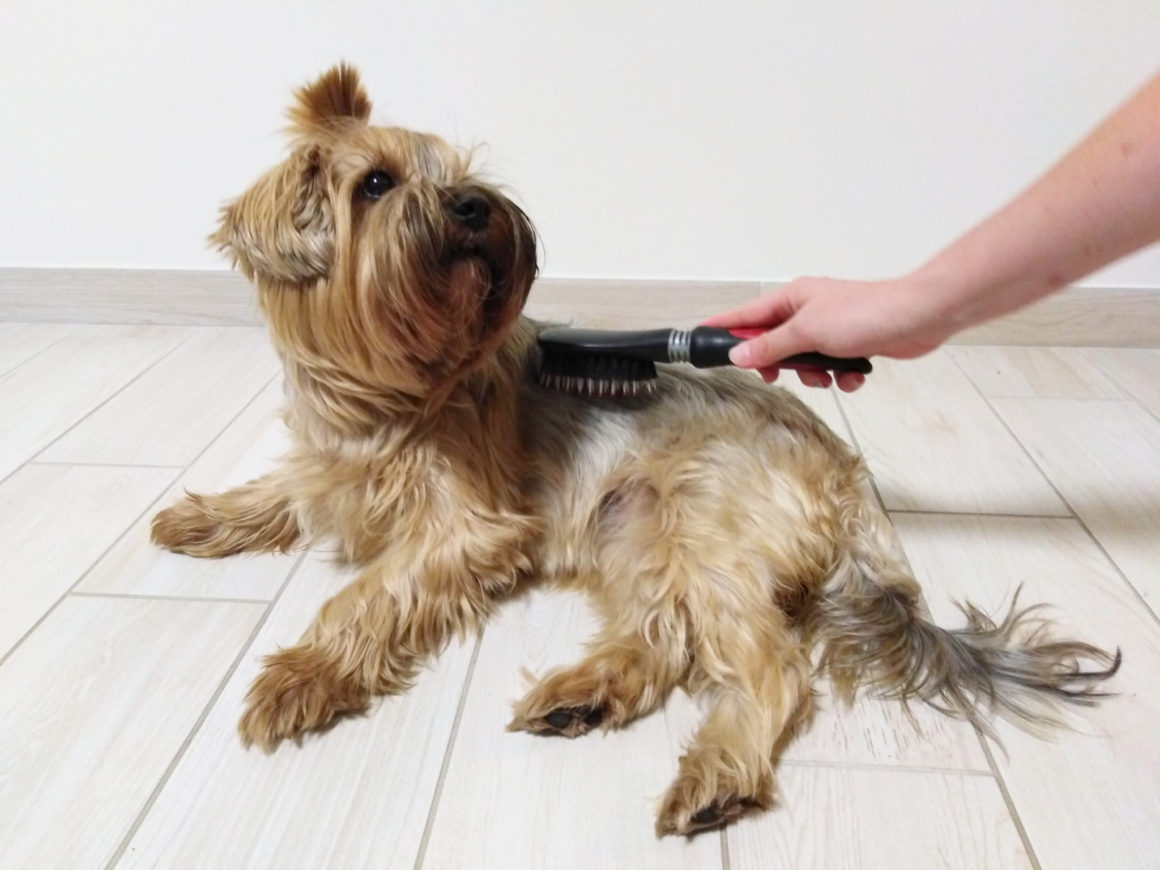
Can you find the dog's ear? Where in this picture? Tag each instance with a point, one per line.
(335, 97)
(283, 226)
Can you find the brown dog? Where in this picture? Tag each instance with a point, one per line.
(723, 532)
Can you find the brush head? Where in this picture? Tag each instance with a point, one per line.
(597, 376)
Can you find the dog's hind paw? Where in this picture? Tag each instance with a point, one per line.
(709, 796)
(715, 814)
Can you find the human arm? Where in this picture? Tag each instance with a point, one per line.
(1100, 202)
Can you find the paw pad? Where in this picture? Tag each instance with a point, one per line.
(574, 721)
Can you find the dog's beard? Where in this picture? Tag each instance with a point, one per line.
(433, 296)
(413, 304)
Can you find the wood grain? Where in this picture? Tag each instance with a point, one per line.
(247, 448)
(1137, 371)
(879, 820)
(167, 416)
(1041, 372)
(1105, 459)
(53, 390)
(933, 443)
(876, 731)
(19, 341)
(93, 707)
(55, 521)
(1088, 797)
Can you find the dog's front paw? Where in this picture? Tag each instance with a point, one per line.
(187, 527)
(297, 691)
(707, 794)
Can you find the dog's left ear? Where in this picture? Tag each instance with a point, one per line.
(335, 97)
(282, 228)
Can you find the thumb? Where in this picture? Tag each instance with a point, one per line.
(768, 349)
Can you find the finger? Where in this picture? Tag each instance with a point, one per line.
(812, 377)
(768, 349)
(769, 374)
(765, 311)
(850, 381)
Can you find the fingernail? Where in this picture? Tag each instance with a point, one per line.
(741, 355)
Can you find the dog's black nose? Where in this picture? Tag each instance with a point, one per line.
(471, 210)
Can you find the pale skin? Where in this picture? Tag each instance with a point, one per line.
(1099, 203)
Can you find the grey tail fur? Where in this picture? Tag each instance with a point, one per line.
(873, 632)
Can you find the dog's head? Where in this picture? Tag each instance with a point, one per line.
(380, 259)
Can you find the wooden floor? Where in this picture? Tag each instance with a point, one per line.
(122, 668)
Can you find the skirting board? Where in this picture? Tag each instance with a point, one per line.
(1078, 316)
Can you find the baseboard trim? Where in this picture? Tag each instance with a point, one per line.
(1111, 317)
(1079, 316)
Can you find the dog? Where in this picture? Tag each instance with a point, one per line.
(728, 539)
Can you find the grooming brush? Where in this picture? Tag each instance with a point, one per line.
(618, 364)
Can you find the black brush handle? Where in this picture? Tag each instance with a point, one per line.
(652, 344)
(702, 346)
(709, 347)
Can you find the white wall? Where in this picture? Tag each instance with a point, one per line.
(684, 139)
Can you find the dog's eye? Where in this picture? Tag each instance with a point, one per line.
(375, 183)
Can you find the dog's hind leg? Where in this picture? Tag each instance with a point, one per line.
(256, 517)
(759, 676)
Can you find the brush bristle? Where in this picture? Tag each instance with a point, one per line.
(597, 376)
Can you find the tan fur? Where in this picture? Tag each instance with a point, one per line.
(724, 534)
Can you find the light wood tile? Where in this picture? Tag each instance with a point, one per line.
(355, 796)
(169, 414)
(514, 800)
(19, 341)
(864, 819)
(1105, 459)
(876, 731)
(246, 449)
(1042, 372)
(50, 392)
(933, 444)
(1090, 797)
(634, 304)
(55, 520)
(1136, 370)
(93, 708)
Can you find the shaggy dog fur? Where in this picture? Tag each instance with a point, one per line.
(726, 536)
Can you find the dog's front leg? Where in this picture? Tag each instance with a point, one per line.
(256, 517)
(374, 635)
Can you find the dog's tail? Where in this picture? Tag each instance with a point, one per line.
(873, 632)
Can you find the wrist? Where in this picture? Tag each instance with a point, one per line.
(951, 299)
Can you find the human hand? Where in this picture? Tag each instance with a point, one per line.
(898, 318)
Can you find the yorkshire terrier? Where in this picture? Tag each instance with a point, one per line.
(725, 535)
